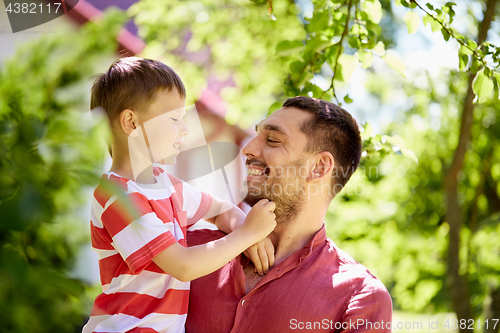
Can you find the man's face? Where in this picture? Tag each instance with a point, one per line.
(276, 162)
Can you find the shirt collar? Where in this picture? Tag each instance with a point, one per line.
(318, 239)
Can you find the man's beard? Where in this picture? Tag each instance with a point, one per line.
(284, 189)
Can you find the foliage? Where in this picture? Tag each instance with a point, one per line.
(232, 41)
(49, 152)
(395, 223)
(259, 47)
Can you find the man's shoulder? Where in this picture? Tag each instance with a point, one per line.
(202, 236)
(352, 272)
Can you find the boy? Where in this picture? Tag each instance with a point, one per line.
(140, 214)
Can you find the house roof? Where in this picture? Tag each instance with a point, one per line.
(128, 43)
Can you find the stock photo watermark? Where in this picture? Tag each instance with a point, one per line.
(431, 324)
(24, 15)
(289, 180)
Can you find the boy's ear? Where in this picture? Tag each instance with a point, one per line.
(322, 167)
(128, 121)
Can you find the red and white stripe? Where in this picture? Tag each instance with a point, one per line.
(129, 226)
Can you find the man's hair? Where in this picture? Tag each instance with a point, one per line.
(132, 83)
(331, 129)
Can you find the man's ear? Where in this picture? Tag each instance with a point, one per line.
(322, 167)
(128, 121)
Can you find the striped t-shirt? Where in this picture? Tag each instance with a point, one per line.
(130, 224)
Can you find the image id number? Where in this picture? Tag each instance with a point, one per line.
(32, 8)
(469, 324)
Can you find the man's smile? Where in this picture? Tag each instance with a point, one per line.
(255, 172)
(256, 169)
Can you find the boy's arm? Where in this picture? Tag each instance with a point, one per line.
(187, 264)
(226, 216)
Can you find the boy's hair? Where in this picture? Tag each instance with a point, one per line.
(132, 83)
(331, 129)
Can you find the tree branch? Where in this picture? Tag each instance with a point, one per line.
(448, 30)
(344, 33)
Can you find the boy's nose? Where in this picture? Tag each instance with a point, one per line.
(183, 130)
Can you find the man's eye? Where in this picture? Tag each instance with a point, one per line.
(272, 141)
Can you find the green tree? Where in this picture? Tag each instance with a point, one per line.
(49, 152)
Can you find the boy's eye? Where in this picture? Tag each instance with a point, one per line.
(174, 119)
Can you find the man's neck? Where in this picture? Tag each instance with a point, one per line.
(291, 236)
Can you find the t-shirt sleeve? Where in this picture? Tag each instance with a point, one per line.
(136, 231)
(195, 202)
(369, 310)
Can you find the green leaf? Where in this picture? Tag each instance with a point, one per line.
(366, 58)
(463, 60)
(367, 132)
(358, 29)
(331, 54)
(497, 77)
(395, 63)
(347, 66)
(373, 10)
(408, 153)
(319, 22)
(464, 50)
(448, 8)
(354, 42)
(435, 26)
(347, 99)
(474, 67)
(275, 106)
(405, 3)
(379, 48)
(297, 66)
(412, 22)
(445, 33)
(472, 44)
(288, 47)
(315, 45)
(482, 86)
(316, 91)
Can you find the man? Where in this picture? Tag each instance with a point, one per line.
(303, 154)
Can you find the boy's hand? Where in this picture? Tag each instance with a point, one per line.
(261, 220)
(262, 255)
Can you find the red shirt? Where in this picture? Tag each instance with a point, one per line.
(317, 289)
(130, 224)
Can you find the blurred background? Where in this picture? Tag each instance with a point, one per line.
(422, 212)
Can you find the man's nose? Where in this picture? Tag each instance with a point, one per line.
(251, 149)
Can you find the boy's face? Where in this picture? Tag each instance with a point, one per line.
(163, 126)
